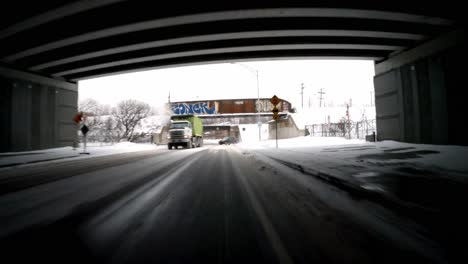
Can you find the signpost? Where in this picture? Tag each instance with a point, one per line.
(275, 113)
(78, 118)
(275, 101)
(84, 130)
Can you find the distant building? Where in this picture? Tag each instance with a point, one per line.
(222, 117)
(227, 106)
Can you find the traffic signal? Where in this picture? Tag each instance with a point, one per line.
(78, 117)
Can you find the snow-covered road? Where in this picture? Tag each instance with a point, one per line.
(230, 204)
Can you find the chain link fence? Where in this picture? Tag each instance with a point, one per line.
(350, 130)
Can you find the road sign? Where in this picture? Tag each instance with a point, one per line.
(84, 129)
(275, 100)
(275, 111)
(275, 116)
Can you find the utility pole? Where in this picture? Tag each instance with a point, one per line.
(302, 95)
(169, 97)
(255, 72)
(349, 121)
(321, 92)
(259, 123)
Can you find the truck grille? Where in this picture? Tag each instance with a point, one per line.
(177, 134)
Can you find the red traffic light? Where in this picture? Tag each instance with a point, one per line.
(78, 117)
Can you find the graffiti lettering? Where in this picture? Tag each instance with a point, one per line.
(265, 106)
(201, 108)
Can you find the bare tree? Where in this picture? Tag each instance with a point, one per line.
(111, 131)
(89, 106)
(129, 114)
(92, 110)
(105, 109)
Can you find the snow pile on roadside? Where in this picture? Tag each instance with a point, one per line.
(121, 147)
(249, 132)
(211, 141)
(444, 156)
(62, 149)
(19, 158)
(371, 154)
(302, 142)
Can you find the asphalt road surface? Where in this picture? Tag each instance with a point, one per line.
(214, 204)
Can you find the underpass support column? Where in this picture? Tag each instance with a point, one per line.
(35, 111)
(419, 93)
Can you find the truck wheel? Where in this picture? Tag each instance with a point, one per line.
(189, 144)
(169, 147)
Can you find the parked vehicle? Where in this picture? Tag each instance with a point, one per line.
(185, 131)
(228, 141)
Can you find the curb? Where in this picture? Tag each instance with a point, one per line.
(34, 161)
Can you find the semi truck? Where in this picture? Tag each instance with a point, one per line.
(185, 131)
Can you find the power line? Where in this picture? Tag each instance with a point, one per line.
(302, 95)
(321, 92)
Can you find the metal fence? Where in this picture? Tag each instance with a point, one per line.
(356, 130)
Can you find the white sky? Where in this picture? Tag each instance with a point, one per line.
(340, 79)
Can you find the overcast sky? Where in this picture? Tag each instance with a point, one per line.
(340, 79)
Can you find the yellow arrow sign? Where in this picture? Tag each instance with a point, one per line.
(275, 116)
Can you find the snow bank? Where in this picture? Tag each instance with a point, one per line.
(386, 153)
(249, 132)
(303, 142)
(54, 154)
(448, 157)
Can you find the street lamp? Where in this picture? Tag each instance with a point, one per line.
(254, 71)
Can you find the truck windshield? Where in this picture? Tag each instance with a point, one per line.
(180, 125)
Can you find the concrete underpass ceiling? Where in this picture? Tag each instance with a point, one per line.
(85, 39)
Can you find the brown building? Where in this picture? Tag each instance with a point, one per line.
(227, 106)
(222, 117)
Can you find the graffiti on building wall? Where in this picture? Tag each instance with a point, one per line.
(285, 107)
(264, 106)
(200, 108)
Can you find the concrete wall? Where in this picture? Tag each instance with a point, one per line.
(160, 138)
(418, 94)
(388, 100)
(216, 132)
(36, 112)
(236, 119)
(286, 129)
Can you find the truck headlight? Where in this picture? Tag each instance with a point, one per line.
(168, 137)
(186, 136)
